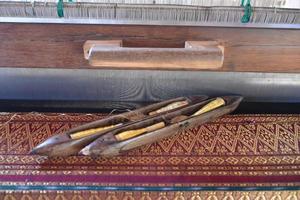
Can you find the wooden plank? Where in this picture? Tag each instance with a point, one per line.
(60, 45)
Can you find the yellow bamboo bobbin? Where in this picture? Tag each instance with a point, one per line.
(171, 106)
(218, 102)
(132, 133)
(89, 132)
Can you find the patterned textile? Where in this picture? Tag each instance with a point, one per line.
(235, 157)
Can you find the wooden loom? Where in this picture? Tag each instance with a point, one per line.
(155, 37)
(217, 43)
(101, 52)
(196, 45)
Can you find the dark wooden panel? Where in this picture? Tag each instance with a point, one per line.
(60, 45)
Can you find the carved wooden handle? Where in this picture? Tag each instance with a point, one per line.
(196, 55)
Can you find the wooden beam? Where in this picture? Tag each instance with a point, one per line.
(249, 48)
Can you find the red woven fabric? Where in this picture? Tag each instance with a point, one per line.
(234, 151)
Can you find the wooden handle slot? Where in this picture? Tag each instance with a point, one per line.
(196, 55)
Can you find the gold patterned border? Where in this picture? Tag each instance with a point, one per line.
(122, 195)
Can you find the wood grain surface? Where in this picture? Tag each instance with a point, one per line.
(60, 45)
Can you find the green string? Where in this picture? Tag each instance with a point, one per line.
(247, 11)
(242, 3)
(60, 8)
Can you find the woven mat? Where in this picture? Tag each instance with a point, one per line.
(235, 157)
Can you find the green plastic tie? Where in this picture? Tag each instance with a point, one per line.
(60, 8)
(247, 11)
(242, 3)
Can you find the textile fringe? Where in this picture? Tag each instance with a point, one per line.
(149, 12)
